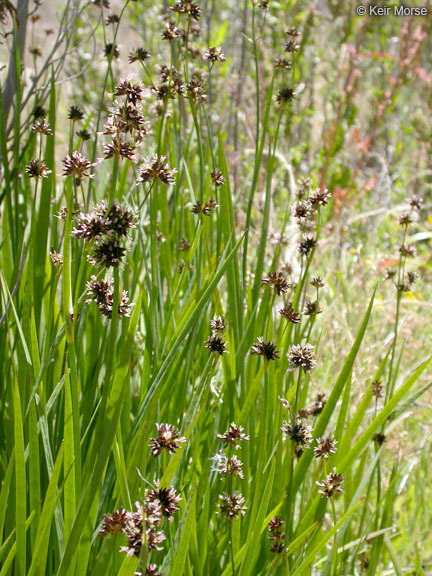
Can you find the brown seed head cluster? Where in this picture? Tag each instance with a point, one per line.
(302, 356)
(157, 169)
(102, 292)
(324, 448)
(233, 436)
(331, 485)
(37, 169)
(299, 433)
(275, 527)
(266, 349)
(290, 314)
(77, 166)
(277, 281)
(167, 439)
(231, 505)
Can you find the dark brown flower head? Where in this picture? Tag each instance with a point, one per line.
(187, 7)
(407, 251)
(209, 207)
(317, 406)
(228, 466)
(42, 127)
(114, 524)
(405, 219)
(184, 245)
(56, 258)
(216, 343)
(157, 169)
(167, 499)
(275, 524)
(317, 282)
(319, 197)
(93, 225)
(389, 273)
(75, 113)
(415, 202)
(138, 55)
(107, 254)
(277, 537)
(282, 64)
(39, 112)
(37, 169)
(290, 314)
(127, 119)
(291, 46)
(196, 91)
(101, 3)
(231, 505)
(292, 32)
(302, 357)
(298, 433)
(412, 277)
(263, 4)
(217, 324)
(217, 178)
(111, 50)
(312, 308)
(151, 570)
(78, 166)
(170, 31)
(133, 91)
(112, 19)
(84, 134)
(285, 95)
(233, 436)
(102, 292)
(35, 51)
(144, 521)
(119, 149)
(215, 54)
(277, 281)
(266, 349)
(379, 438)
(324, 448)
(302, 210)
(306, 245)
(332, 485)
(168, 439)
(377, 389)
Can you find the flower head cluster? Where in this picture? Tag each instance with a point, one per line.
(105, 228)
(37, 169)
(277, 281)
(77, 166)
(231, 505)
(168, 439)
(157, 169)
(325, 447)
(216, 342)
(266, 349)
(204, 208)
(102, 292)
(215, 54)
(302, 356)
(275, 527)
(331, 485)
(233, 436)
(298, 432)
(187, 7)
(290, 314)
(143, 525)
